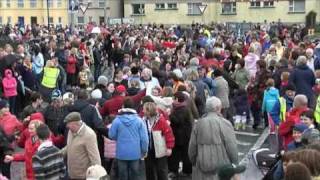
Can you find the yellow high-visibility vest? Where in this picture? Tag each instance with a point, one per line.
(50, 77)
(283, 109)
(317, 111)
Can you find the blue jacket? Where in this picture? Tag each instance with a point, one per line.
(275, 112)
(270, 97)
(130, 134)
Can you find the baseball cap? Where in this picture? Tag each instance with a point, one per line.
(56, 94)
(121, 89)
(3, 103)
(96, 172)
(300, 127)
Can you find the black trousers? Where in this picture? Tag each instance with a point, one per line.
(156, 168)
(180, 153)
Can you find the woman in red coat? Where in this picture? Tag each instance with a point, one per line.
(71, 68)
(158, 127)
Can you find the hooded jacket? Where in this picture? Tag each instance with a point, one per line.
(270, 97)
(130, 133)
(251, 63)
(303, 78)
(10, 124)
(9, 84)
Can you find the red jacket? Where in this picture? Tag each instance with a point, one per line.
(30, 148)
(71, 66)
(112, 106)
(163, 126)
(285, 128)
(10, 124)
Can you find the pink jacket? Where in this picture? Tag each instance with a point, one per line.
(9, 84)
(109, 147)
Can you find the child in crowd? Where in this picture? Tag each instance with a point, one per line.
(10, 84)
(241, 105)
(284, 81)
(84, 77)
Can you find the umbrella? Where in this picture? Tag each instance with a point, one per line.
(96, 30)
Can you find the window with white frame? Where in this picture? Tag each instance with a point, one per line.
(33, 3)
(60, 20)
(80, 20)
(0, 20)
(172, 6)
(138, 9)
(193, 8)
(50, 3)
(51, 20)
(269, 3)
(9, 20)
(20, 3)
(0, 3)
(102, 3)
(59, 3)
(8, 3)
(160, 6)
(255, 3)
(229, 8)
(297, 6)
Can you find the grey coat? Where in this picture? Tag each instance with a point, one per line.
(222, 91)
(212, 145)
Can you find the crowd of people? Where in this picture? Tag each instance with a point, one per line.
(136, 102)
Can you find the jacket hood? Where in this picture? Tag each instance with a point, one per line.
(272, 91)
(127, 116)
(79, 105)
(8, 73)
(303, 67)
(177, 105)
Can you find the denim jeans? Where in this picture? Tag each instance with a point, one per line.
(129, 169)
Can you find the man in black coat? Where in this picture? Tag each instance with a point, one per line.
(5, 149)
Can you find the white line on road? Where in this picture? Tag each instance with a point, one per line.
(243, 143)
(246, 133)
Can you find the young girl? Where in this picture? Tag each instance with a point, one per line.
(284, 81)
(9, 84)
(84, 74)
(270, 97)
(241, 105)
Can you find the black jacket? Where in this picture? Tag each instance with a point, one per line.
(181, 123)
(90, 115)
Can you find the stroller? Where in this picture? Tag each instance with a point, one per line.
(267, 161)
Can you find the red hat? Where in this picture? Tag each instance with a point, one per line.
(121, 89)
(37, 116)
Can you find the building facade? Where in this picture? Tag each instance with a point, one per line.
(207, 11)
(25, 12)
(99, 11)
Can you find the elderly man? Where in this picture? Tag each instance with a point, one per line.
(212, 144)
(303, 78)
(300, 105)
(82, 148)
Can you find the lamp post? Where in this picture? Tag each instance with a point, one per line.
(48, 14)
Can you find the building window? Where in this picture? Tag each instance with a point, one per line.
(60, 20)
(33, 3)
(20, 3)
(50, 20)
(8, 3)
(59, 3)
(80, 20)
(0, 20)
(297, 5)
(229, 8)
(9, 19)
(138, 9)
(102, 3)
(90, 18)
(193, 9)
(50, 3)
(172, 6)
(255, 3)
(0, 4)
(268, 4)
(160, 6)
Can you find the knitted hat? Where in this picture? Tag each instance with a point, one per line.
(3, 103)
(68, 97)
(103, 80)
(121, 89)
(178, 73)
(73, 116)
(37, 116)
(56, 94)
(300, 127)
(226, 172)
(96, 94)
(95, 172)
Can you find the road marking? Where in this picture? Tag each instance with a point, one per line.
(247, 133)
(243, 143)
(240, 154)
